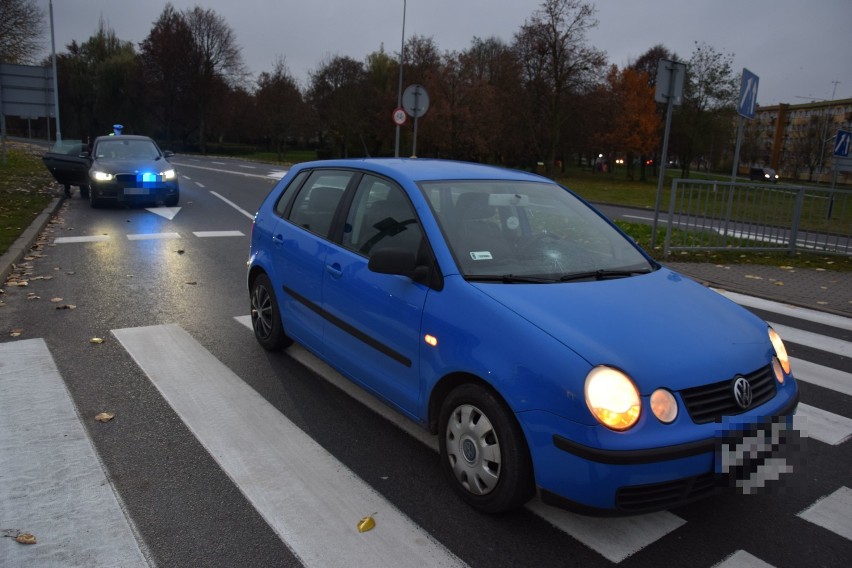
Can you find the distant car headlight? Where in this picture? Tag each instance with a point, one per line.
(169, 175)
(613, 398)
(780, 353)
(103, 176)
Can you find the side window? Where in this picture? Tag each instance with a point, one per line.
(381, 217)
(316, 202)
(289, 191)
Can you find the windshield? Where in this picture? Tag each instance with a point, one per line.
(123, 148)
(526, 231)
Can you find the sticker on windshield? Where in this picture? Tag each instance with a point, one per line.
(481, 255)
(512, 223)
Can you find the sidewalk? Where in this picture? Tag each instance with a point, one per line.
(816, 289)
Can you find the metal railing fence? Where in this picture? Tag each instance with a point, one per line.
(709, 215)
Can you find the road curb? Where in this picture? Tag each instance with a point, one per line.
(22, 246)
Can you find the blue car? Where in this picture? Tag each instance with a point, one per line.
(546, 350)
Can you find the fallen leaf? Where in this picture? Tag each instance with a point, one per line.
(16, 332)
(192, 283)
(180, 251)
(96, 340)
(105, 416)
(368, 523)
(26, 538)
(778, 283)
(56, 300)
(66, 307)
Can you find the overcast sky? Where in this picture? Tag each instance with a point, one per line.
(798, 48)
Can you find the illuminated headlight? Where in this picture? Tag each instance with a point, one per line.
(613, 398)
(103, 176)
(780, 355)
(169, 175)
(664, 406)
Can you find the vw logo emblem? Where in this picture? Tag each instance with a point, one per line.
(469, 450)
(742, 392)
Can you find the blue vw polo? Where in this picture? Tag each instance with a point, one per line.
(497, 309)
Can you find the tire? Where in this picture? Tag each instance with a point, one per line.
(84, 191)
(266, 317)
(484, 453)
(94, 202)
(172, 201)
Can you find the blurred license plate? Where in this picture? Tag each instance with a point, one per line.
(136, 191)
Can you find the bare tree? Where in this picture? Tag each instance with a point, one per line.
(217, 60)
(557, 61)
(21, 30)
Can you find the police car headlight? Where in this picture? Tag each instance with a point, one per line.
(103, 176)
(169, 175)
(780, 352)
(612, 398)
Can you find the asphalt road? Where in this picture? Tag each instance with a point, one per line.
(221, 454)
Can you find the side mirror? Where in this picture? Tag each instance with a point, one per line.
(168, 153)
(400, 262)
(86, 155)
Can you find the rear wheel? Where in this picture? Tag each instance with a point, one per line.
(484, 453)
(265, 316)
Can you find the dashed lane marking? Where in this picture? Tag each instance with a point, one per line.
(89, 239)
(218, 233)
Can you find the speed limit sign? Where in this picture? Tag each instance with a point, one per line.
(399, 116)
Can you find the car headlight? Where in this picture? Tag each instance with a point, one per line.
(169, 174)
(613, 398)
(780, 354)
(102, 176)
(664, 406)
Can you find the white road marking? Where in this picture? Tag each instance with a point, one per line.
(90, 239)
(246, 167)
(822, 425)
(815, 340)
(825, 377)
(53, 484)
(277, 174)
(199, 184)
(152, 236)
(234, 205)
(832, 512)
(742, 559)
(221, 171)
(167, 212)
(218, 233)
(613, 538)
(218, 163)
(814, 316)
(309, 498)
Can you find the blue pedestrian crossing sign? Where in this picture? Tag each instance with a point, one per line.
(747, 103)
(841, 143)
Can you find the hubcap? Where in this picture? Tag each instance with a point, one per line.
(473, 449)
(261, 312)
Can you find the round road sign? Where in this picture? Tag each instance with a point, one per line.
(415, 100)
(399, 116)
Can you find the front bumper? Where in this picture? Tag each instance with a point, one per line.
(132, 189)
(578, 469)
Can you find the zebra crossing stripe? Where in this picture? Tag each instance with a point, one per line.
(825, 377)
(815, 340)
(822, 425)
(53, 485)
(311, 500)
(89, 239)
(832, 512)
(742, 559)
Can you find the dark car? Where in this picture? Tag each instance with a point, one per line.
(547, 351)
(131, 169)
(69, 166)
(763, 174)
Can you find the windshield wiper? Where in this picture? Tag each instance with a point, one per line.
(602, 274)
(510, 279)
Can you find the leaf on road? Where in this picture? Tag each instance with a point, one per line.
(56, 300)
(66, 307)
(180, 251)
(96, 340)
(16, 332)
(192, 283)
(26, 538)
(368, 523)
(105, 416)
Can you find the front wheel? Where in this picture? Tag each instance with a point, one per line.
(483, 451)
(172, 200)
(265, 316)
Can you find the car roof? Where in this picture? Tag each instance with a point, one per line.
(424, 169)
(123, 137)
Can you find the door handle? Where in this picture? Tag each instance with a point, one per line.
(278, 239)
(334, 270)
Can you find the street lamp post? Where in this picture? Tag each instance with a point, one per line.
(55, 80)
(399, 88)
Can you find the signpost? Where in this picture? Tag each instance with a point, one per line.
(415, 101)
(746, 106)
(670, 79)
